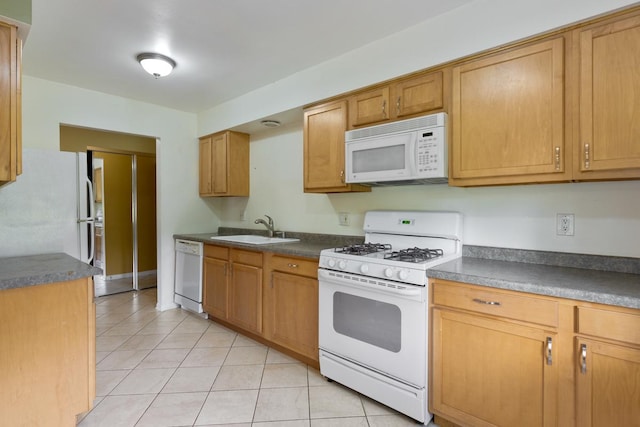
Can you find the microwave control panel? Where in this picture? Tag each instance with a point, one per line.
(430, 152)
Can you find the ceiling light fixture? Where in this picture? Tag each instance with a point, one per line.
(270, 123)
(155, 64)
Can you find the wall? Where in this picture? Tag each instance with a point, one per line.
(521, 216)
(46, 105)
(606, 214)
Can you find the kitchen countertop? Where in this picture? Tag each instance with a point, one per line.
(30, 270)
(591, 278)
(604, 287)
(309, 245)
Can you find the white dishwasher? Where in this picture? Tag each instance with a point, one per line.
(188, 279)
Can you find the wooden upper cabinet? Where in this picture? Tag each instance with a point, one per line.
(369, 107)
(608, 145)
(10, 104)
(398, 100)
(324, 128)
(508, 117)
(417, 95)
(224, 164)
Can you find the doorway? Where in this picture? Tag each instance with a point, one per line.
(122, 169)
(125, 221)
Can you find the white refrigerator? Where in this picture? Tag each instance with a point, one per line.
(49, 208)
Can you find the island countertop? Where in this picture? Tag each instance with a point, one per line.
(30, 270)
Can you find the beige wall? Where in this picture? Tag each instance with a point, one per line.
(77, 139)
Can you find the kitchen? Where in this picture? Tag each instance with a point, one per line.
(606, 220)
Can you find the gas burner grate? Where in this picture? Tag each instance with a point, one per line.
(414, 254)
(363, 249)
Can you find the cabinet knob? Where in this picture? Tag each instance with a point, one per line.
(384, 108)
(398, 106)
(290, 265)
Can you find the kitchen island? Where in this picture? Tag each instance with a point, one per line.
(47, 337)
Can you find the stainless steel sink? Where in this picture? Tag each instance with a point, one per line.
(251, 239)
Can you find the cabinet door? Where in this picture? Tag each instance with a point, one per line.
(488, 372)
(324, 128)
(215, 287)
(369, 107)
(508, 117)
(607, 384)
(205, 186)
(609, 141)
(245, 297)
(294, 313)
(10, 104)
(417, 95)
(219, 146)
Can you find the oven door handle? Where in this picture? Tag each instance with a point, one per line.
(379, 285)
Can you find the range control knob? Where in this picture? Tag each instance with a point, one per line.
(364, 268)
(331, 263)
(342, 265)
(388, 272)
(403, 274)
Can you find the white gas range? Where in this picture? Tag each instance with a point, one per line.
(373, 334)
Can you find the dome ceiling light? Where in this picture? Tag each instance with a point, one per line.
(155, 64)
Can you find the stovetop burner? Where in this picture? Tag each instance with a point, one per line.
(414, 254)
(363, 249)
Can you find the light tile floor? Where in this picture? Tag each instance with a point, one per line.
(174, 368)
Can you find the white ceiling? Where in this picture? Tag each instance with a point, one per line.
(223, 48)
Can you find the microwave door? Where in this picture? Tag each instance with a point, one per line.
(386, 158)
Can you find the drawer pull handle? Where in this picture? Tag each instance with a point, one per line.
(549, 351)
(292, 265)
(557, 158)
(583, 358)
(481, 301)
(587, 157)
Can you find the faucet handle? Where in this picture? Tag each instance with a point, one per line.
(270, 219)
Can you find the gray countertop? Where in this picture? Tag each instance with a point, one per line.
(309, 245)
(605, 287)
(30, 270)
(592, 278)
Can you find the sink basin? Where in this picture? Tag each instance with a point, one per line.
(254, 240)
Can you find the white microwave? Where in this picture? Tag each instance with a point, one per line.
(412, 151)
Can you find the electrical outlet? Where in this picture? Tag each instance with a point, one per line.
(565, 224)
(343, 218)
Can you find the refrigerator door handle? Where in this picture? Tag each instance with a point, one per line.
(90, 220)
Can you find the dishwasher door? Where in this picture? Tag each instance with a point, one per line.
(188, 279)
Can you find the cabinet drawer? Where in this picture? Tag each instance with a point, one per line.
(247, 257)
(220, 252)
(300, 266)
(609, 324)
(511, 305)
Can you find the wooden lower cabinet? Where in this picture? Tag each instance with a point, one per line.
(47, 353)
(489, 372)
(607, 367)
(215, 286)
(232, 286)
(245, 297)
(291, 305)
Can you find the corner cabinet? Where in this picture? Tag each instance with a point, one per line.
(508, 117)
(10, 104)
(608, 142)
(291, 304)
(224, 164)
(324, 128)
(494, 357)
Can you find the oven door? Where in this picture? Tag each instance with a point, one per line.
(372, 324)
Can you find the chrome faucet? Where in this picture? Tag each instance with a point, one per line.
(269, 224)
